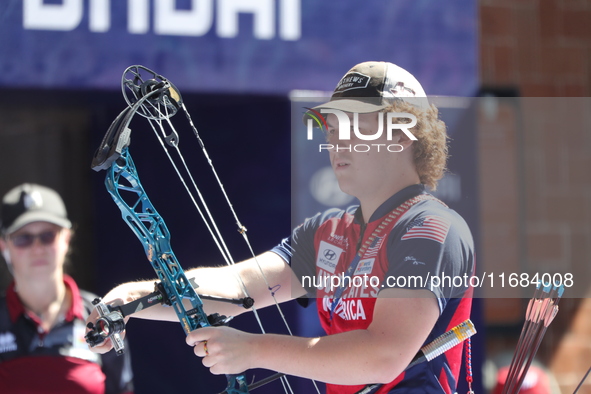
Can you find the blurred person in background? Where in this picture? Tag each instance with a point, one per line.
(43, 312)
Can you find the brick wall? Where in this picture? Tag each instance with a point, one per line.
(541, 48)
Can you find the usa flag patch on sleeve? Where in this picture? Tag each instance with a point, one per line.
(429, 227)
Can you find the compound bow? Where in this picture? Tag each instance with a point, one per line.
(157, 99)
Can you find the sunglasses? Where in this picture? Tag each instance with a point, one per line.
(25, 240)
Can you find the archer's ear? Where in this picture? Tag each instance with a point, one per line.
(402, 139)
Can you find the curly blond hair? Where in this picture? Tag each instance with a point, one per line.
(430, 150)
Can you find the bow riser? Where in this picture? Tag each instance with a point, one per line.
(149, 227)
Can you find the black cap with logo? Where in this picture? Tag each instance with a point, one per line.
(28, 203)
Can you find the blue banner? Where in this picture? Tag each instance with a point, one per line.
(236, 46)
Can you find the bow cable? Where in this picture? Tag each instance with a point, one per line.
(215, 233)
(210, 224)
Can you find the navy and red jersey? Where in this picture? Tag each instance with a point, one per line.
(412, 241)
(58, 361)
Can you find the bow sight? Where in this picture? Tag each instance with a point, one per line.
(109, 325)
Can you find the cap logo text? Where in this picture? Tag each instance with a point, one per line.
(352, 81)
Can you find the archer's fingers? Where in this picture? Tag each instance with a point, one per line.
(199, 335)
(201, 349)
(210, 362)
